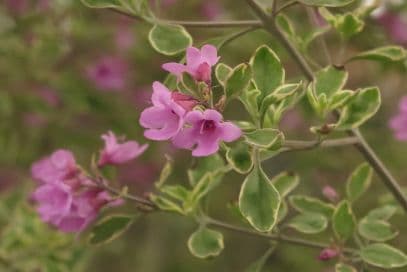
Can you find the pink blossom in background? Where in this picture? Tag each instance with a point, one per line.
(330, 193)
(108, 73)
(394, 24)
(119, 152)
(328, 254)
(34, 119)
(399, 122)
(211, 9)
(292, 120)
(66, 197)
(199, 63)
(168, 2)
(49, 96)
(165, 118)
(17, 7)
(204, 133)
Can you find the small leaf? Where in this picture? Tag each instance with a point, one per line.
(268, 72)
(359, 181)
(238, 80)
(329, 81)
(376, 230)
(169, 39)
(341, 267)
(166, 204)
(382, 213)
(309, 223)
(279, 94)
(259, 201)
(188, 85)
(177, 192)
(205, 243)
(362, 107)
(383, 255)
(326, 3)
(340, 99)
(306, 204)
(109, 228)
(165, 173)
(282, 211)
(222, 72)
(385, 53)
(258, 265)
(343, 221)
(265, 138)
(285, 183)
(249, 100)
(102, 3)
(240, 158)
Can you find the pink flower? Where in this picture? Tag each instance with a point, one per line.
(206, 130)
(49, 96)
(327, 254)
(17, 7)
(66, 198)
(59, 166)
(199, 63)
(165, 118)
(119, 153)
(394, 25)
(211, 9)
(108, 73)
(330, 193)
(124, 37)
(399, 122)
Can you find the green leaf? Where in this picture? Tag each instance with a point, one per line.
(188, 85)
(279, 94)
(359, 181)
(383, 255)
(109, 228)
(326, 3)
(382, 213)
(385, 53)
(282, 211)
(340, 99)
(249, 100)
(222, 72)
(102, 3)
(258, 265)
(343, 221)
(268, 72)
(205, 243)
(329, 81)
(265, 138)
(341, 267)
(178, 192)
(347, 24)
(259, 201)
(169, 39)
(240, 158)
(285, 183)
(306, 204)
(166, 204)
(201, 189)
(362, 107)
(309, 223)
(212, 164)
(376, 230)
(238, 80)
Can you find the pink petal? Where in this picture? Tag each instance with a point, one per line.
(185, 138)
(230, 132)
(206, 146)
(174, 68)
(212, 115)
(194, 117)
(161, 94)
(210, 54)
(193, 57)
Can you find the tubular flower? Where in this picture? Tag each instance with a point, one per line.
(164, 119)
(115, 152)
(204, 132)
(199, 63)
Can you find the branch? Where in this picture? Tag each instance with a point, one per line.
(295, 145)
(274, 237)
(363, 147)
(200, 24)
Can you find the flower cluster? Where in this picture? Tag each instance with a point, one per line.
(173, 114)
(399, 122)
(68, 198)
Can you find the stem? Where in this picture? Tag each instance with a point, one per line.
(293, 144)
(274, 237)
(362, 145)
(284, 6)
(203, 24)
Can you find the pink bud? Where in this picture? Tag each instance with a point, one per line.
(327, 254)
(184, 100)
(330, 193)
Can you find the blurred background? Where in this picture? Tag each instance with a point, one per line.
(69, 73)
